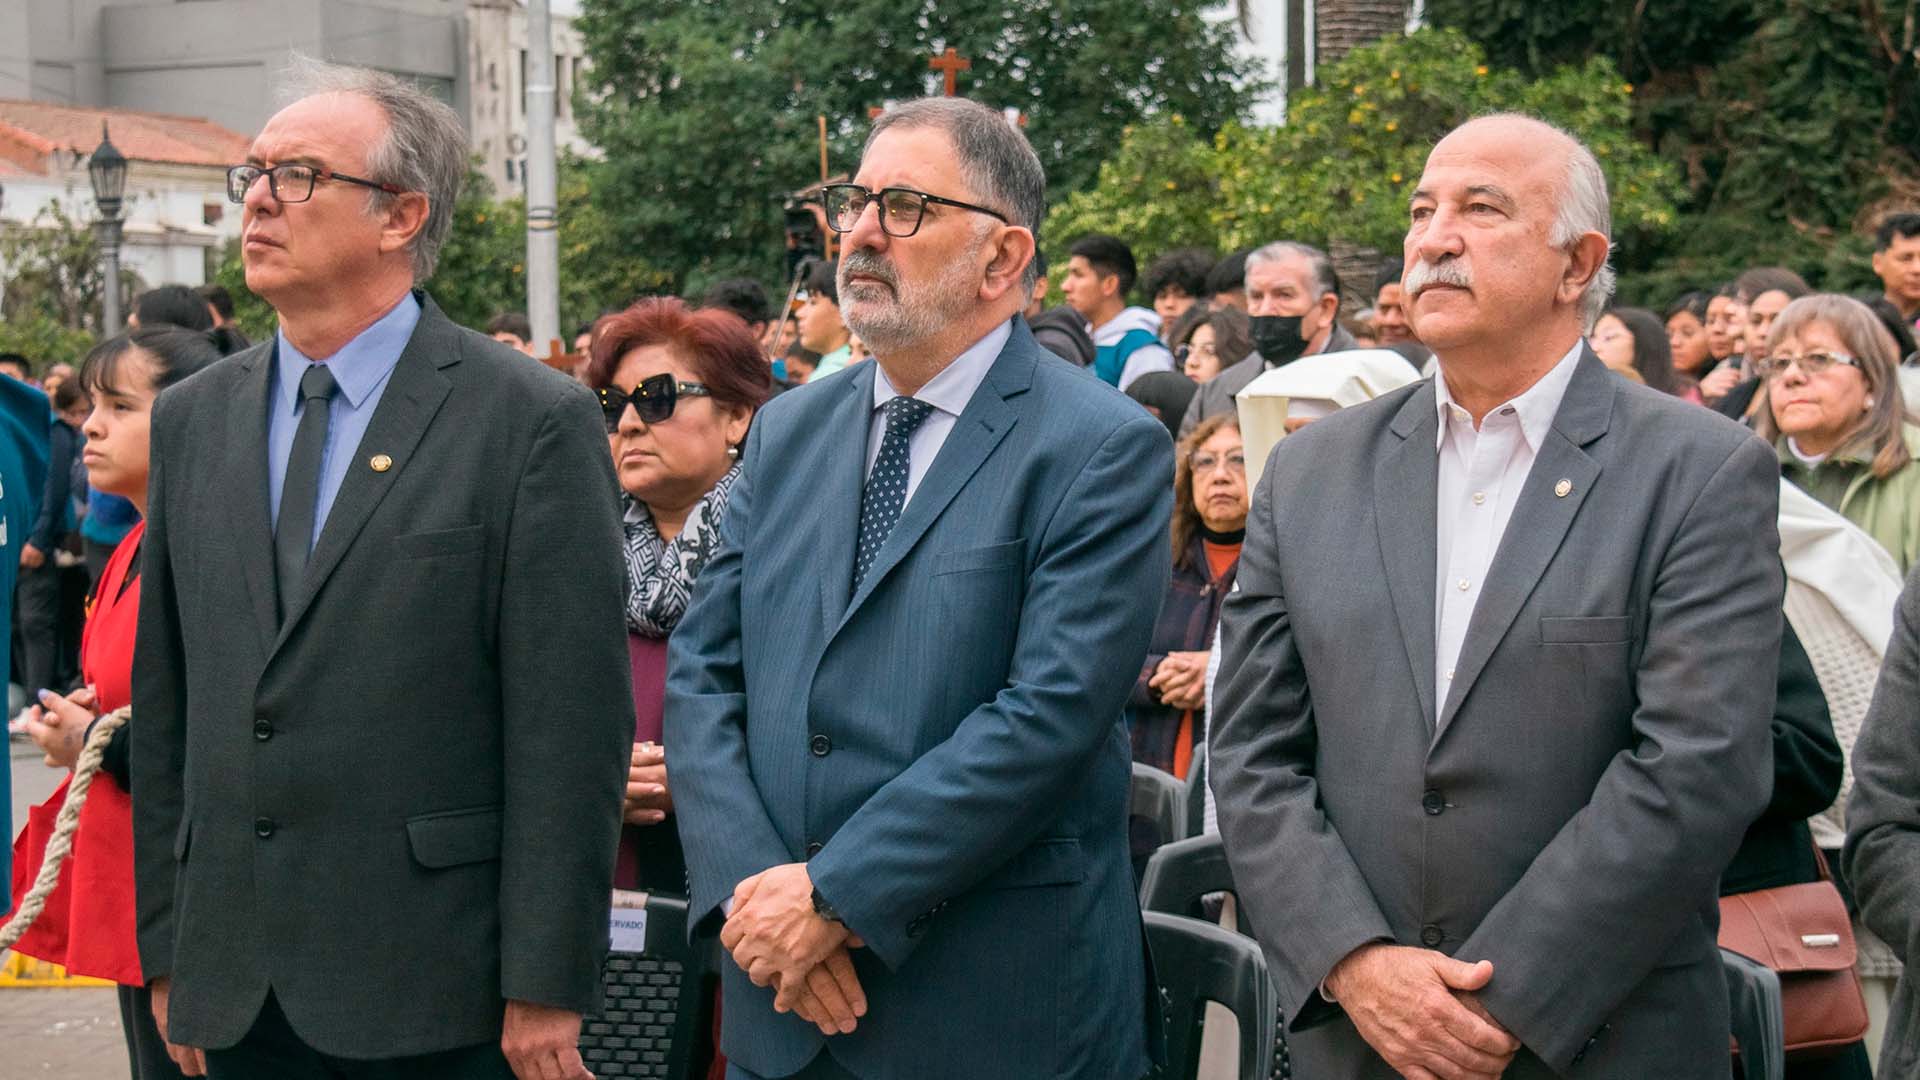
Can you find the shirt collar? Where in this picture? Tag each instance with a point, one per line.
(1536, 406)
(361, 364)
(950, 390)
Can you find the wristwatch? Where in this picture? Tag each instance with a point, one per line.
(824, 909)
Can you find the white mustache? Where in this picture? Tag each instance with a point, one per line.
(865, 262)
(1423, 275)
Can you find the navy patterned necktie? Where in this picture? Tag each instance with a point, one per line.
(886, 491)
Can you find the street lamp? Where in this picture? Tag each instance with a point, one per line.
(107, 169)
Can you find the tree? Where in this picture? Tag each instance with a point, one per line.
(706, 110)
(1344, 164)
(1795, 123)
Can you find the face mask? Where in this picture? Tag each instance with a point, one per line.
(1277, 338)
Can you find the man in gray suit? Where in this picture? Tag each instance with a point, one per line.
(1497, 677)
(894, 710)
(381, 730)
(1293, 302)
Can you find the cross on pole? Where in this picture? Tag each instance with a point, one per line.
(950, 63)
(558, 358)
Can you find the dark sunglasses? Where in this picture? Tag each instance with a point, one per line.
(653, 400)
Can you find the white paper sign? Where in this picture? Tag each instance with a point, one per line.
(628, 927)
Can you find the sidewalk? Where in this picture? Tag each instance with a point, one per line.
(69, 1034)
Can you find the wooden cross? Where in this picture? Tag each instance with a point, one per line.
(559, 359)
(951, 63)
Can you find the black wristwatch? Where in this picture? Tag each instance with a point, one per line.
(824, 909)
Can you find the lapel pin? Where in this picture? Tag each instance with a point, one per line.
(1560, 490)
(381, 463)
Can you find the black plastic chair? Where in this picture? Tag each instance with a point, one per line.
(1758, 1025)
(1197, 792)
(657, 1020)
(1160, 800)
(1198, 962)
(1179, 877)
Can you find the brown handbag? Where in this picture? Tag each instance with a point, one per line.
(1802, 932)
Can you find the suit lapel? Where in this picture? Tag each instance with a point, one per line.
(246, 482)
(1405, 482)
(408, 404)
(980, 427)
(839, 500)
(1539, 524)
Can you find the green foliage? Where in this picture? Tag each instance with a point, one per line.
(706, 110)
(43, 340)
(1795, 124)
(1343, 166)
(52, 268)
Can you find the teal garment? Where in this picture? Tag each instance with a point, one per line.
(833, 361)
(1110, 361)
(25, 420)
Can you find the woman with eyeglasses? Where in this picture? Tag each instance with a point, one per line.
(1832, 407)
(1209, 521)
(678, 388)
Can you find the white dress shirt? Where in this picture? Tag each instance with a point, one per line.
(948, 393)
(1481, 473)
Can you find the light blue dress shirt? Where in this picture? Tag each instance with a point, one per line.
(361, 369)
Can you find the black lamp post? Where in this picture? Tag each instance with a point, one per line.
(107, 169)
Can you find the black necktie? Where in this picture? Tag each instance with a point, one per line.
(886, 490)
(300, 489)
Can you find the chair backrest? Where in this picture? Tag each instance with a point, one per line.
(657, 1019)
(1759, 1026)
(1159, 799)
(1182, 872)
(1197, 962)
(1197, 792)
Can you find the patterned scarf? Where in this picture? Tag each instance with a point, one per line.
(660, 573)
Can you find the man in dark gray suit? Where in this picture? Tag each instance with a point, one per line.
(1498, 673)
(895, 708)
(382, 729)
(1293, 303)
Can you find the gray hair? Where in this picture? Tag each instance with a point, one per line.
(1324, 279)
(1584, 208)
(996, 160)
(424, 149)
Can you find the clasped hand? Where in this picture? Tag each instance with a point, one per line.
(58, 725)
(1181, 680)
(1419, 1010)
(779, 940)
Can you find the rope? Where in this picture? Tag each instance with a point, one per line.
(64, 826)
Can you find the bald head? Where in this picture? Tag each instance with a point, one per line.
(1508, 230)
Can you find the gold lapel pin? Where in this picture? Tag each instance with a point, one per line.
(381, 463)
(1560, 490)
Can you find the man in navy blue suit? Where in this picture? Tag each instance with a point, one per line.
(894, 708)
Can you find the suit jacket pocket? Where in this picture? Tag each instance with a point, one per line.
(455, 837)
(991, 557)
(455, 541)
(1057, 861)
(1586, 630)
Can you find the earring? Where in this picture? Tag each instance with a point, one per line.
(733, 452)
(1869, 401)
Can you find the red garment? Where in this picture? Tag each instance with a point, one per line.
(88, 924)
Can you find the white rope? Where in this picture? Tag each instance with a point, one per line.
(64, 826)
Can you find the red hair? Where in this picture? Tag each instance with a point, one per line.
(714, 342)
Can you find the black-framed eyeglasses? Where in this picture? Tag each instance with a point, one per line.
(1811, 364)
(901, 209)
(1234, 462)
(653, 400)
(292, 182)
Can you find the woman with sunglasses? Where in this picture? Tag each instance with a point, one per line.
(1831, 405)
(678, 388)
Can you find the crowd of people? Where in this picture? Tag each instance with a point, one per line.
(1498, 685)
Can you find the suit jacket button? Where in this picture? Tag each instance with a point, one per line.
(262, 730)
(820, 745)
(813, 849)
(1431, 936)
(1433, 802)
(263, 827)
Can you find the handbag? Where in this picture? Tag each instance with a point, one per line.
(1802, 932)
